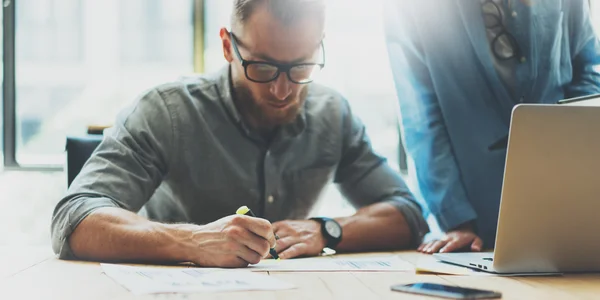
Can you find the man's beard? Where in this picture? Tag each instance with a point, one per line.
(259, 111)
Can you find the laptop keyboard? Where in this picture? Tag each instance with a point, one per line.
(488, 258)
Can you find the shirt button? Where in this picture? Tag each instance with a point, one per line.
(514, 14)
(270, 199)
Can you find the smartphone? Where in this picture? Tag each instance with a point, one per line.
(445, 291)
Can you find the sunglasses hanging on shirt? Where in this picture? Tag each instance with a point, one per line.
(504, 45)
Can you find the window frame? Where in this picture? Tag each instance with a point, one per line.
(8, 86)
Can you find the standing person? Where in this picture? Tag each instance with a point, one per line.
(460, 67)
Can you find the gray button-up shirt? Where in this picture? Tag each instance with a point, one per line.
(182, 153)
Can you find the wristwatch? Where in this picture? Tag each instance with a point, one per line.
(331, 230)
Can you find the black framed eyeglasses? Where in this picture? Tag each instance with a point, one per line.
(504, 45)
(264, 72)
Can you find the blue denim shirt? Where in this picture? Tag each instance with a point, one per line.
(454, 105)
(182, 153)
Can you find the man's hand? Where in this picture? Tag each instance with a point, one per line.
(460, 238)
(299, 238)
(233, 241)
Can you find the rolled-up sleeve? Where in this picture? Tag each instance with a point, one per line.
(123, 172)
(365, 178)
(68, 215)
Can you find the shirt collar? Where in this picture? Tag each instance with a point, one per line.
(225, 86)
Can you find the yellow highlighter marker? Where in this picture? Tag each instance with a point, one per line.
(243, 210)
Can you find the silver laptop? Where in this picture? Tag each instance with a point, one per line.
(550, 205)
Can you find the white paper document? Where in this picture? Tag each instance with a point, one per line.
(331, 264)
(150, 280)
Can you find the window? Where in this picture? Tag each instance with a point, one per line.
(355, 35)
(79, 62)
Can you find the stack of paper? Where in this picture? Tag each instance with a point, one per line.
(147, 280)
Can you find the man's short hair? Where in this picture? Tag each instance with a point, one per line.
(286, 11)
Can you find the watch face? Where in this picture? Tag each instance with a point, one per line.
(333, 229)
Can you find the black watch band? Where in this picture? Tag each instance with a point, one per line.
(331, 230)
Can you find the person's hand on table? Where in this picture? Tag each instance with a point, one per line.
(298, 238)
(463, 237)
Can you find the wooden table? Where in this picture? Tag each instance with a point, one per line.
(34, 273)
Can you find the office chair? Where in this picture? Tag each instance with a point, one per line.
(80, 148)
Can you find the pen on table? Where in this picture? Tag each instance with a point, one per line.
(245, 210)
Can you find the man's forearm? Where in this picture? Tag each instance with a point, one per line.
(114, 234)
(379, 226)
